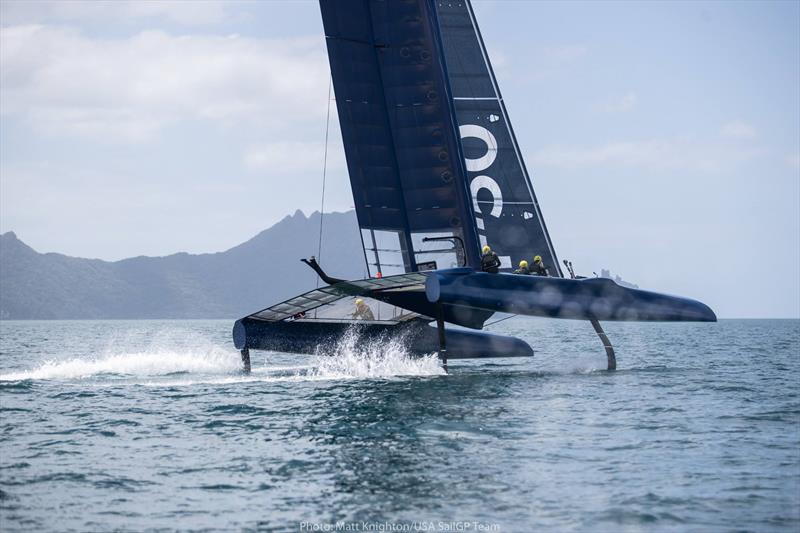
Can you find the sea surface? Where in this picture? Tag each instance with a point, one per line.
(150, 426)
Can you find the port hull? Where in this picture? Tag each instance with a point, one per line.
(418, 337)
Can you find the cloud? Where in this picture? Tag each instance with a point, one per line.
(188, 13)
(738, 129)
(290, 158)
(64, 83)
(652, 155)
(59, 11)
(625, 103)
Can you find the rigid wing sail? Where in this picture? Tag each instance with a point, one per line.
(430, 150)
(436, 173)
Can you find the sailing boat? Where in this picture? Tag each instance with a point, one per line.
(436, 174)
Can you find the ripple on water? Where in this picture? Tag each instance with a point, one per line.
(691, 433)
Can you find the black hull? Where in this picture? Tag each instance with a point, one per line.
(419, 338)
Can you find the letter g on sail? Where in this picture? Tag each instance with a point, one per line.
(485, 182)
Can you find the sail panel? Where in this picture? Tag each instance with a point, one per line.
(508, 217)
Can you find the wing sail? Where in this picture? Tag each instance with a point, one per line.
(401, 144)
(429, 146)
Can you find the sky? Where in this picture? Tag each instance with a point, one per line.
(663, 139)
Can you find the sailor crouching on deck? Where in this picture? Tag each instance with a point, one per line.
(362, 312)
(489, 261)
(538, 267)
(523, 268)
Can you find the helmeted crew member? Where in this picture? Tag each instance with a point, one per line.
(362, 312)
(538, 267)
(489, 261)
(523, 268)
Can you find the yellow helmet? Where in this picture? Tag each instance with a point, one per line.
(537, 258)
(486, 249)
(359, 301)
(523, 264)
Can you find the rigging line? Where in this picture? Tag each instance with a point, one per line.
(498, 321)
(324, 172)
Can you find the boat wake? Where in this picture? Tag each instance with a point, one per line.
(349, 358)
(151, 363)
(352, 358)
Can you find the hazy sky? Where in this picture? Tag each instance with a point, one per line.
(663, 138)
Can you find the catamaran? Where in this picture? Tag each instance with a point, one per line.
(436, 174)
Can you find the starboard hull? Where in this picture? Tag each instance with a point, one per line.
(586, 299)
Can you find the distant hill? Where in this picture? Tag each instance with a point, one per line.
(229, 284)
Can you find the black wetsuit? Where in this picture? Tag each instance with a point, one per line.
(539, 269)
(525, 271)
(490, 263)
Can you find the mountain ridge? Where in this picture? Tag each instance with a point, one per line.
(227, 284)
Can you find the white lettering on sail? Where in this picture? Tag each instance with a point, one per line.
(484, 182)
(479, 132)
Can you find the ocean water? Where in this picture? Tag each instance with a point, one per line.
(150, 426)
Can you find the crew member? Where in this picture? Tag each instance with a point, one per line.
(362, 312)
(523, 268)
(538, 267)
(489, 261)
